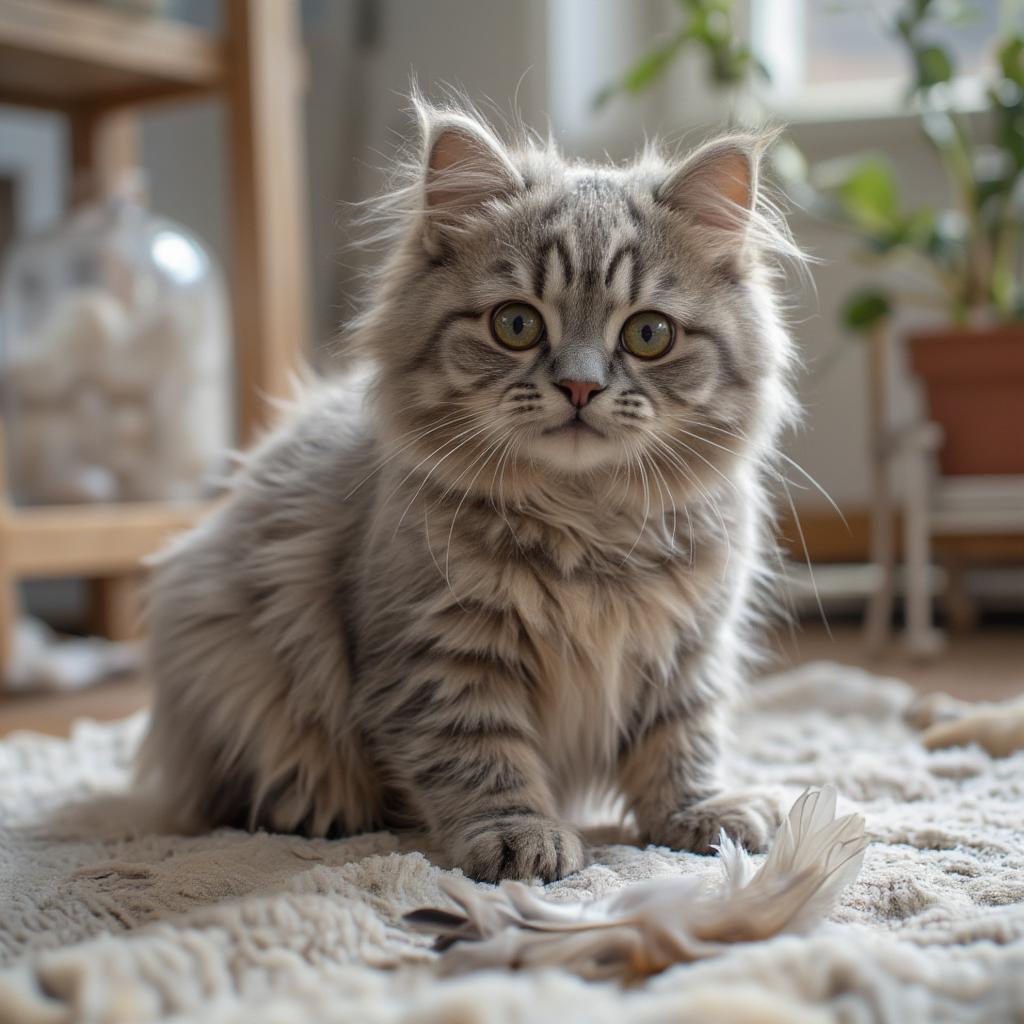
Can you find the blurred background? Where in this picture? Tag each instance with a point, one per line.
(177, 180)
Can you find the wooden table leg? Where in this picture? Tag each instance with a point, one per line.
(878, 614)
(961, 608)
(921, 638)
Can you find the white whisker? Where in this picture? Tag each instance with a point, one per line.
(423, 482)
(708, 496)
(450, 421)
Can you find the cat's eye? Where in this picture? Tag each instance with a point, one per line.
(517, 325)
(647, 335)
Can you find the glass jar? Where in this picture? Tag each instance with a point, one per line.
(116, 370)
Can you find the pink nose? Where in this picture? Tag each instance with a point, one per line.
(579, 391)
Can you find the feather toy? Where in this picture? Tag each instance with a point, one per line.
(648, 927)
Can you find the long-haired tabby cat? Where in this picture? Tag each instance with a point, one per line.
(513, 558)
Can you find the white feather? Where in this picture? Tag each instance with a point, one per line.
(648, 927)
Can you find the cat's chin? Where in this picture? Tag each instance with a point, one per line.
(574, 451)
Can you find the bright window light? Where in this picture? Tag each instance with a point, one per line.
(834, 57)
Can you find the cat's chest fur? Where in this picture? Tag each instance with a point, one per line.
(602, 626)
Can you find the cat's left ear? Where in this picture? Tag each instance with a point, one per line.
(717, 186)
(465, 168)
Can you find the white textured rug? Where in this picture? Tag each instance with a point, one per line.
(101, 922)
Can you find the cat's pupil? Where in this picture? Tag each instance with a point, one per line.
(517, 325)
(646, 333)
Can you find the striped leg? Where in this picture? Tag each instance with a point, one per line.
(668, 771)
(465, 753)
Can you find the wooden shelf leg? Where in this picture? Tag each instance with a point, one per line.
(104, 150)
(9, 607)
(269, 254)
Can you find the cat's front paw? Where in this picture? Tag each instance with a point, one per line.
(750, 817)
(523, 847)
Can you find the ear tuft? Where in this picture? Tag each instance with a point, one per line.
(466, 167)
(717, 186)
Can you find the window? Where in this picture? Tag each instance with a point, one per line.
(830, 57)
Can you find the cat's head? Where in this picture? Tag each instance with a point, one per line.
(574, 319)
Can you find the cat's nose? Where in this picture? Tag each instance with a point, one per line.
(579, 392)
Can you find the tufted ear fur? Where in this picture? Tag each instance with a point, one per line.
(465, 168)
(717, 186)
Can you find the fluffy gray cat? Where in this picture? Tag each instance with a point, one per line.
(513, 558)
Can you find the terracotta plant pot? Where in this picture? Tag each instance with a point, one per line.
(974, 381)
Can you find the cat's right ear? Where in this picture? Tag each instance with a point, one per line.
(465, 168)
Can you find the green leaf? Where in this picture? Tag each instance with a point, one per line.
(933, 66)
(913, 231)
(869, 196)
(729, 66)
(644, 72)
(1011, 59)
(865, 308)
(919, 227)
(708, 26)
(649, 68)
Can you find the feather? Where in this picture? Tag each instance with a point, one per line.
(645, 928)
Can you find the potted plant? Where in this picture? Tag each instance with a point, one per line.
(971, 364)
(968, 257)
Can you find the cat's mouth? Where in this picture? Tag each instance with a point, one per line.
(574, 426)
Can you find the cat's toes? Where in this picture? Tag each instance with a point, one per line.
(750, 817)
(523, 847)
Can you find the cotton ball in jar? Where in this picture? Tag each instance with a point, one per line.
(89, 484)
(43, 443)
(137, 477)
(88, 327)
(49, 466)
(194, 441)
(130, 425)
(148, 356)
(41, 375)
(91, 412)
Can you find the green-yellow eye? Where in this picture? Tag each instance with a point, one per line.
(647, 335)
(517, 325)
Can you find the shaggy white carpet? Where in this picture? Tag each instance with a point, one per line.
(100, 921)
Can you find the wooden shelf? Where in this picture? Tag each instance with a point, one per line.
(97, 65)
(86, 540)
(60, 54)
